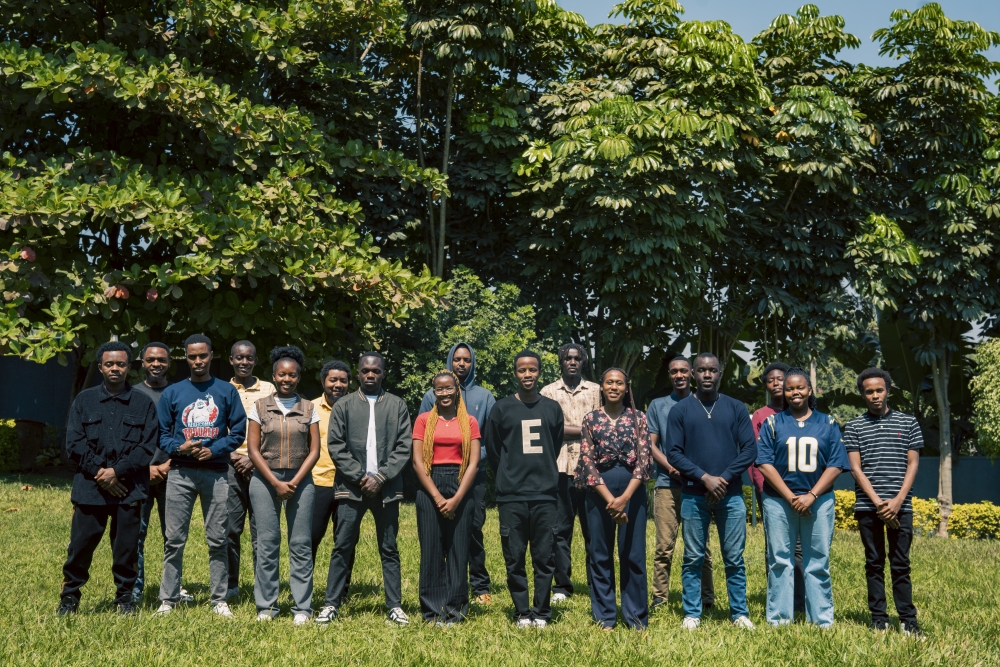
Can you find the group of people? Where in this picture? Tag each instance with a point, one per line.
(572, 450)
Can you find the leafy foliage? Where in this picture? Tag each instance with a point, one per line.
(985, 388)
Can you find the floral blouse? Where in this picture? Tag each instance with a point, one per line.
(607, 443)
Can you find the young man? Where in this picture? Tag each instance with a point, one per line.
(201, 422)
(523, 437)
(711, 444)
(335, 378)
(478, 401)
(370, 441)
(576, 397)
(883, 446)
(243, 358)
(667, 490)
(110, 437)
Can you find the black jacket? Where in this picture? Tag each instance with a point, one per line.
(106, 431)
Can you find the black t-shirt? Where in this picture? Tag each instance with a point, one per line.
(159, 456)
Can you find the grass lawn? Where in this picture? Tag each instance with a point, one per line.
(956, 587)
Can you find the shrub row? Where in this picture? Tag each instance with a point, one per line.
(971, 520)
(9, 452)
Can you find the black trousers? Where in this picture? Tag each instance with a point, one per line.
(444, 551)
(572, 503)
(479, 576)
(157, 494)
(325, 506)
(873, 536)
(239, 512)
(85, 533)
(522, 524)
(345, 542)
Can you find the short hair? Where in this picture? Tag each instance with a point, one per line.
(372, 353)
(244, 343)
(871, 373)
(287, 352)
(572, 346)
(113, 346)
(333, 366)
(528, 353)
(776, 366)
(679, 357)
(145, 347)
(705, 355)
(195, 339)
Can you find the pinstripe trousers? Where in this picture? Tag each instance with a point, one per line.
(444, 551)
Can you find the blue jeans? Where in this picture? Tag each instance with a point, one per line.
(784, 526)
(730, 518)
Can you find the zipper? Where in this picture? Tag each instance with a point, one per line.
(284, 443)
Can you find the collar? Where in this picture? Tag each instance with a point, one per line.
(273, 404)
(572, 392)
(870, 417)
(239, 387)
(123, 396)
(381, 393)
(325, 401)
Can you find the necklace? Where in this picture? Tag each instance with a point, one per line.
(707, 411)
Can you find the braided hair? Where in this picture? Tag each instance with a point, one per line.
(464, 425)
(805, 374)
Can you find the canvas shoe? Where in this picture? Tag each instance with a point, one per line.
(879, 626)
(743, 622)
(164, 609)
(540, 623)
(657, 603)
(690, 623)
(232, 593)
(301, 619)
(126, 607)
(397, 616)
(265, 616)
(223, 610)
(67, 605)
(525, 623)
(911, 629)
(559, 597)
(186, 597)
(326, 614)
(484, 599)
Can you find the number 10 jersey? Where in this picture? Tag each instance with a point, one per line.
(800, 450)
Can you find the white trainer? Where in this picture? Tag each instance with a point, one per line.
(525, 623)
(186, 597)
(222, 609)
(558, 598)
(164, 609)
(397, 616)
(743, 622)
(265, 616)
(540, 623)
(690, 623)
(301, 619)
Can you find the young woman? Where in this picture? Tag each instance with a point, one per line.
(800, 453)
(446, 458)
(283, 445)
(615, 459)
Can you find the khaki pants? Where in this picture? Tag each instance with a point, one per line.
(667, 517)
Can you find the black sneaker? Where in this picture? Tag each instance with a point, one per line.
(707, 604)
(67, 605)
(125, 608)
(657, 603)
(879, 626)
(911, 629)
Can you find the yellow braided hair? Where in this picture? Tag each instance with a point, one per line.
(463, 424)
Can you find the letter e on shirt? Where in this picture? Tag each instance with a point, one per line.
(528, 436)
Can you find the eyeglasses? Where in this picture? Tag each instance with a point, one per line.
(445, 391)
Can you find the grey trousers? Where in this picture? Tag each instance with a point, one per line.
(184, 486)
(267, 517)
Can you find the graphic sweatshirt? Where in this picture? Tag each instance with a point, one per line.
(208, 411)
(522, 444)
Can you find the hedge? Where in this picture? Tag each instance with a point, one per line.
(971, 520)
(9, 450)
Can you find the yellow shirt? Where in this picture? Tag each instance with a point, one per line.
(249, 396)
(325, 469)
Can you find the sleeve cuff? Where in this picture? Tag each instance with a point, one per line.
(381, 478)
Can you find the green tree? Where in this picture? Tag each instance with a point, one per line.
(985, 386)
(159, 177)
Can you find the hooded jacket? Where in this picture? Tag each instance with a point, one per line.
(478, 400)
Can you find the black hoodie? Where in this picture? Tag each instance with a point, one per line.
(522, 443)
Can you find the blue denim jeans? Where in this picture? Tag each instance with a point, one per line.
(784, 526)
(730, 518)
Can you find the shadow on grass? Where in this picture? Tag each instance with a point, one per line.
(60, 479)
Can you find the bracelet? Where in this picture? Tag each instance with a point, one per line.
(815, 497)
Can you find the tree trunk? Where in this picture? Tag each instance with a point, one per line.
(941, 369)
(443, 218)
(432, 234)
(812, 376)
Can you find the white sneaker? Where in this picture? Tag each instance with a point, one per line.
(540, 623)
(525, 623)
(301, 619)
(186, 597)
(558, 597)
(263, 616)
(326, 614)
(222, 609)
(743, 622)
(690, 623)
(397, 616)
(164, 609)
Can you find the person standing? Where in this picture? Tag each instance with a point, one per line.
(576, 397)
(883, 446)
(711, 444)
(335, 377)
(201, 422)
(667, 490)
(523, 437)
(243, 358)
(110, 438)
(446, 447)
(614, 465)
(800, 453)
(370, 442)
(283, 443)
(478, 402)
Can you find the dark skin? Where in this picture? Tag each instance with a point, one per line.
(707, 376)
(286, 382)
(371, 372)
(876, 395)
(461, 363)
(335, 385)
(614, 386)
(527, 370)
(572, 373)
(679, 371)
(199, 358)
(114, 368)
(156, 363)
(447, 396)
(775, 385)
(796, 394)
(243, 359)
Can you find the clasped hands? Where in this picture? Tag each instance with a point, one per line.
(370, 486)
(888, 511)
(195, 449)
(108, 480)
(447, 506)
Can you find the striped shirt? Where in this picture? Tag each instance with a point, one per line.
(883, 443)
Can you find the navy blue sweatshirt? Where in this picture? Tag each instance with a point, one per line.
(208, 411)
(723, 446)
